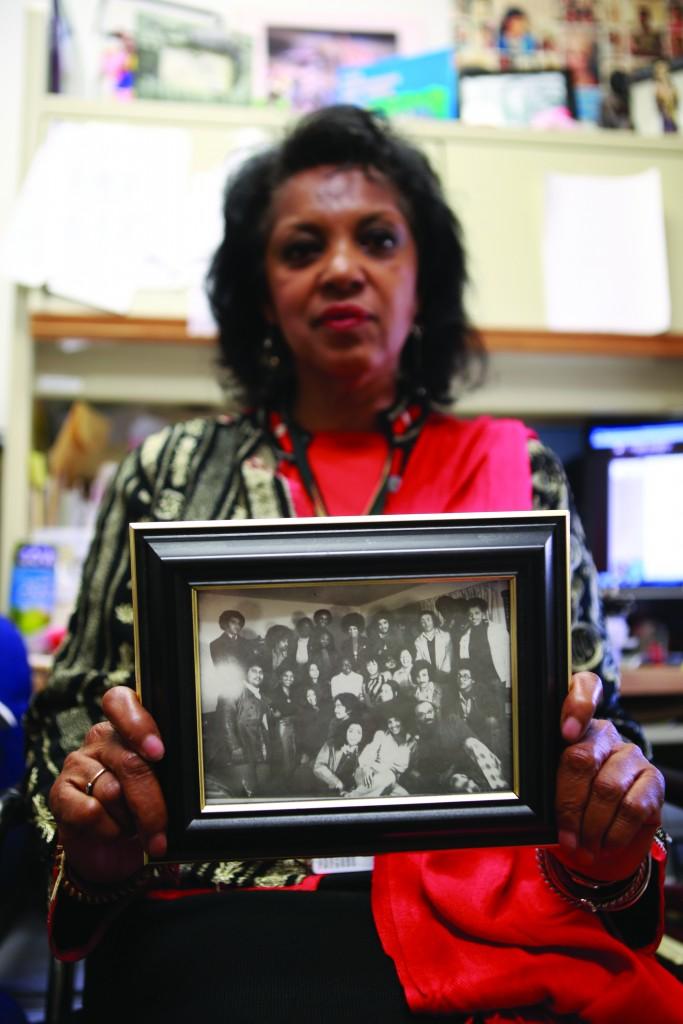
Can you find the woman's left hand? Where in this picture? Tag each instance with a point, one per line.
(609, 796)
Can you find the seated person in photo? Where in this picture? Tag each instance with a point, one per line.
(446, 747)
(480, 708)
(337, 760)
(382, 762)
(403, 674)
(339, 294)
(345, 706)
(425, 688)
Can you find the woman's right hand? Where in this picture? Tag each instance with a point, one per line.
(105, 834)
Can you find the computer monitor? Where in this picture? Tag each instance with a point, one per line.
(633, 505)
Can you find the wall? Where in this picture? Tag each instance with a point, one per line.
(11, 93)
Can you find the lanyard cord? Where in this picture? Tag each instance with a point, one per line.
(402, 426)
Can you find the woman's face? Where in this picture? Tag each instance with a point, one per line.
(287, 678)
(386, 693)
(313, 672)
(406, 658)
(340, 710)
(312, 697)
(341, 268)
(354, 734)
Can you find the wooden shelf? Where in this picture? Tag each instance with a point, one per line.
(50, 327)
(659, 346)
(652, 681)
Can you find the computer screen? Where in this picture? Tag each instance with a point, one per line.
(636, 480)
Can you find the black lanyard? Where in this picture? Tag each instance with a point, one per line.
(402, 430)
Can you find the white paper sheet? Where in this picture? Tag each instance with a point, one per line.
(97, 217)
(203, 223)
(604, 255)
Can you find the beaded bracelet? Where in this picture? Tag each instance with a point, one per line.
(588, 894)
(93, 895)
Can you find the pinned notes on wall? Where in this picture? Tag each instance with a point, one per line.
(604, 254)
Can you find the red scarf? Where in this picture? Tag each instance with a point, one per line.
(474, 930)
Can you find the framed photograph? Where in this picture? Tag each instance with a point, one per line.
(656, 97)
(503, 99)
(354, 685)
(303, 62)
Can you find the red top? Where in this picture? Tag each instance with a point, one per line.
(477, 465)
(469, 930)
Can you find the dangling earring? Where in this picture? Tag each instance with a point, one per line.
(270, 360)
(416, 350)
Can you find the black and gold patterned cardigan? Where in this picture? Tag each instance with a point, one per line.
(208, 469)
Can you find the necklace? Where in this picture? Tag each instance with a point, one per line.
(401, 426)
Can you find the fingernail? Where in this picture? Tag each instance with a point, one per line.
(156, 846)
(568, 840)
(571, 729)
(152, 748)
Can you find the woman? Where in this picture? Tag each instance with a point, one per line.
(337, 760)
(344, 707)
(338, 290)
(310, 725)
(373, 681)
(278, 653)
(313, 678)
(384, 760)
(283, 708)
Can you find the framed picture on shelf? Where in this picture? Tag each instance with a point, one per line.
(656, 98)
(354, 685)
(500, 99)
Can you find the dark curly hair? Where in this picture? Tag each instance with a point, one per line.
(449, 348)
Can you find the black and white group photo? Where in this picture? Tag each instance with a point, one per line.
(356, 690)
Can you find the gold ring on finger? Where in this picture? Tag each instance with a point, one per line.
(90, 786)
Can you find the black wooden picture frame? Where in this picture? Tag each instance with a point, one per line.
(183, 572)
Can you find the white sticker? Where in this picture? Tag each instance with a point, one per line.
(335, 865)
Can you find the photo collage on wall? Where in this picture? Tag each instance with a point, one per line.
(584, 58)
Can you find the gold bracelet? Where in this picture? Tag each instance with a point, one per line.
(93, 895)
(588, 894)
